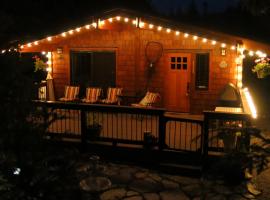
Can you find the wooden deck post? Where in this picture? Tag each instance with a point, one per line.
(83, 130)
(161, 131)
(205, 138)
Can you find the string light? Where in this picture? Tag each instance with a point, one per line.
(214, 42)
(195, 37)
(110, 20)
(22, 46)
(70, 32)
(36, 42)
(49, 39)
(78, 29)
(177, 32)
(159, 28)
(87, 26)
(223, 45)
(250, 103)
(151, 26)
(102, 22)
(43, 52)
(168, 30)
(118, 18)
(251, 53)
(94, 24)
(126, 19)
(64, 34)
(3, 51)
(186, 35)
(29, 44)
(141, 24)
(204, 40)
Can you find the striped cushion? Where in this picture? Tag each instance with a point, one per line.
(71, 93)
(149, 99)
(92, 95)
(112, 95)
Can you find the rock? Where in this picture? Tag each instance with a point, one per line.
(252, 189)
(237, 197)
(193, 190)
(249, 196)
(221, 189)
(173, 195)
(95, 184)
(133, 198)
(122, 178)
(170, 185)
(155, 177)
(151, 196)
(140, 175)
(113, 194)
(182, 180)
(131, 193)
(145, 185)
(217, 197)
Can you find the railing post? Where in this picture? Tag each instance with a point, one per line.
(161, 131)
(83, 130)
(205, 135)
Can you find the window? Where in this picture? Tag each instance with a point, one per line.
(178, 63)
(93, 68)
(202, 71)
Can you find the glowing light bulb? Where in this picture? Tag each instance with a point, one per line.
(48, 69)
(134, 22)
(214, 42)
(126, 19)
(118, 18)
(233, 47)
(49, 39)
(159, 28)
(3, 51)
(94, 24)
(102, 22)
(204, 40)
(186, 35)
(78, 29)
(141, 24)
(177, 32)
(223, 45)
(70, 32)
(110, 20)
(22, 46)
(251, 53)
(36, 42)
(64, 34)
(168, 30)
(151, 26)
(29, 44)
(195, 37)
(43, 52)
(87, 26)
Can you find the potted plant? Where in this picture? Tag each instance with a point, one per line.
(94, 126)
(262, 67)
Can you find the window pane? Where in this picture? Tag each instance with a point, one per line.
(184, 59)
(172, 59)
(172, 66)
(178, 66)
(185, 66)
(178, 59)
(202, 71)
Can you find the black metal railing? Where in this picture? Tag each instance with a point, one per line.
(216, 123)
(122, 124)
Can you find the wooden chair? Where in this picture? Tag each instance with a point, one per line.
(112, 96)
(92, 95)
(149, 99)
(71, 93)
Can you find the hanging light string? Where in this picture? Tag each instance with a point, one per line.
(138, 23)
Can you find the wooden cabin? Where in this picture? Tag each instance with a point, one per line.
(189, 66)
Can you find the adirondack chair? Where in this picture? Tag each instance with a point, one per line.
(92, 95)
(112, 96)
(71, 93)
(150, 99)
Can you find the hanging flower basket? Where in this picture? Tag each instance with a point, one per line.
(262, 67)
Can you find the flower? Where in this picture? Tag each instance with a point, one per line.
(262, 67)
(39, 64)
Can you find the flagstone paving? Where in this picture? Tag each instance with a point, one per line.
(111, 181)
